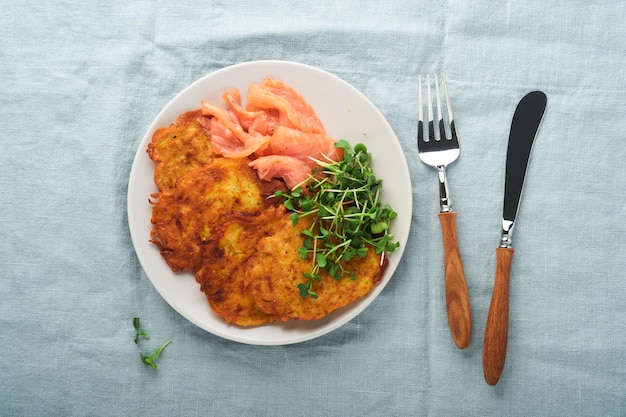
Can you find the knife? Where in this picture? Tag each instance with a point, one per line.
(526, 121)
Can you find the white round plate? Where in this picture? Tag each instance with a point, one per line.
(346, 114)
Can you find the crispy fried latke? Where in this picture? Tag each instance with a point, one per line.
(178, 149)
(222, 276)
(274, 271)
(185, 216)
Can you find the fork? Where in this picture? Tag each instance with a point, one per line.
(439, 152)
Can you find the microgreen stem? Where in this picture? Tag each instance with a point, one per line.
(140, 332)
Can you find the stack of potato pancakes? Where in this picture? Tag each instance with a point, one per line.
(215, 217)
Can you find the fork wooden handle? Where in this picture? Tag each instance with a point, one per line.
(457, 296)
(497, 328)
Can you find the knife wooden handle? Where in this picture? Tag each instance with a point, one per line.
(497, 328)
(457, 296)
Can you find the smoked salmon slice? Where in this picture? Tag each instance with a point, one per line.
(293, 110)
(292, 170)
(254, 122)
(277, 128)
(228, 137)
(301, 145)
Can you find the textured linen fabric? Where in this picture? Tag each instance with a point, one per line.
(82, 81)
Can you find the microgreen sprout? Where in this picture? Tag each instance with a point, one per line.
(348, 215)
(151, 358)
(140, 332)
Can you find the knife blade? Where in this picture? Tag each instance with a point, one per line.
(526, 120)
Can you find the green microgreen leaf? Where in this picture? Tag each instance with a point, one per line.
(378, 227)
(348, 254)
(321, 260)
(343, 144)
(304, 291)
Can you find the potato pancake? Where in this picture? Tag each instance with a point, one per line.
(178, 149)
(274, 271)
(222, 276)
(187, 215)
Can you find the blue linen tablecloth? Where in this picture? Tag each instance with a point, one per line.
(82, 81)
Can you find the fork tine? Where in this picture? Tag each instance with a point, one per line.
(431, 127)
(442, 126)
(420, 112)
(450, 114)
